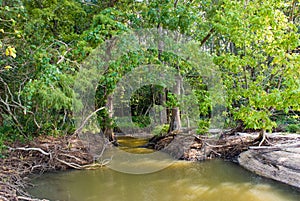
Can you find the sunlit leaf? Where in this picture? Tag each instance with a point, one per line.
(11, 51)
(7, 67)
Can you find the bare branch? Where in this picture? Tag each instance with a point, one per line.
(85, 121)
(89, 4)
(3, 198)
(72, 165)
(30, 199)
(207, 37)
(30, 149)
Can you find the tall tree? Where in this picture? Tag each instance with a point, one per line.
(260, 71)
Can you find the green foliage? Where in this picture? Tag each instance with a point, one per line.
(287, 122)
(161, 130)
(9, 134)
(260, 72)
(42, 44)
(293, 128)
(62, 19)
(172, 100)
(125, 123)
(38, 66)
(203, 126)
(105, 25)
(141, 121)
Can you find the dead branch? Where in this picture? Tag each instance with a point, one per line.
(31, 149)
(30, 199)
(74, 157)
(207, 36)
(218, 154)
(3, 198)
(72, 165)
(106, 142)
(280, 146)
(86, 119)
(214, 146)
(89, 166)
(95, 165)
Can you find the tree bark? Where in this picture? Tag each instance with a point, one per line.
(162, 113)
(261, 137)
(1, 120)
(108, 132)
(207, 36)
(162, 95)
(175, 123)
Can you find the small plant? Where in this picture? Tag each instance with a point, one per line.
(203, 126)
(142, 121)
(293, 128)
(161, 129)
(2, 146)
(289, 122)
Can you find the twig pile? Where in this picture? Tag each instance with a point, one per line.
(42, 154)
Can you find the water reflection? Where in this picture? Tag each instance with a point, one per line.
(133, 145)
(182, 181)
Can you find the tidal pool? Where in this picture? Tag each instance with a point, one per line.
(214, 180)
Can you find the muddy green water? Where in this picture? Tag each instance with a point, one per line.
(214, 180)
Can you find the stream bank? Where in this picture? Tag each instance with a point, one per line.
(278, 157)
(48, 153)
(279, 162)
(44, 154)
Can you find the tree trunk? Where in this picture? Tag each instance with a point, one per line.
(108, 132)
(163, 113)
(1, 120)
(175, 123)
(261, 137)
(162, 95)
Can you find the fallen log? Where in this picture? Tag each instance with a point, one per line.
(280, 165)
(197, 147)
(280, 146)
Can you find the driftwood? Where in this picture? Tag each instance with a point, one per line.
(278, 163)
(278, 146)
(30, 149)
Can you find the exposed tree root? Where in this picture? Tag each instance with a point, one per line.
(43, 154)
(227, 147)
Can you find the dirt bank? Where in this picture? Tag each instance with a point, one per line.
(42, 154)
(197, 148)
(277, 158)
